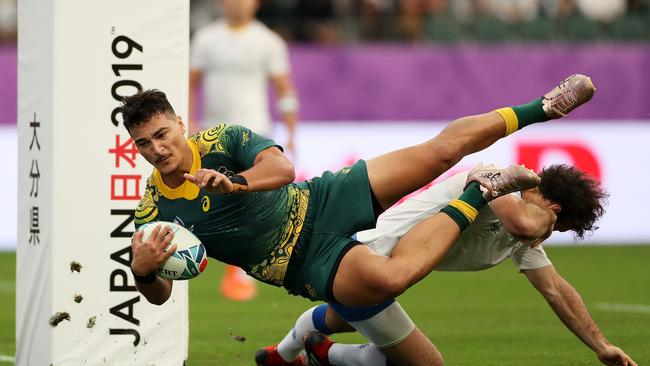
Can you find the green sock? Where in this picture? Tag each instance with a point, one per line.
(464, 209)
(530, 113)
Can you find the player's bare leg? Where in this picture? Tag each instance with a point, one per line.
(398, 173)
(364, 278)
(414, 350)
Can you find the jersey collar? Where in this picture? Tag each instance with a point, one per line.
(187, 190)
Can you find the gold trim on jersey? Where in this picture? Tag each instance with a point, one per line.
(187, 190)
(210, 140)
(273, 268)
(147, 210)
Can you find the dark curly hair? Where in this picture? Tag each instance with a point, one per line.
(143, 106)
(581, 197)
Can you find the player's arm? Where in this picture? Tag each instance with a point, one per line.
(196, 78)
(271, 169)
(147, 257)
(569, 307)
(524, 220)
(287, 106)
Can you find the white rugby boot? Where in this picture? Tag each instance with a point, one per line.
(571, 93)
(497, 182)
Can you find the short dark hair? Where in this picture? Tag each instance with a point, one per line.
(144, 105)
(581, 197)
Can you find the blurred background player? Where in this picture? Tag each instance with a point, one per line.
(512, 227)
(232, 61)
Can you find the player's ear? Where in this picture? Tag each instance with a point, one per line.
(181, 125)
(555, 207)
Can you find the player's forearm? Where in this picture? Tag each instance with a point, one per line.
(287, 103)
(195, 83)
(193, 123)
(157, 292)
(570, 308)
(290, 121)
(521, 219)
(271, 173)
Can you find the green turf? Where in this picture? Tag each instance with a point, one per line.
(7, 303)
(487, 318)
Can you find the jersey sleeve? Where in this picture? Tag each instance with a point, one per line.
(147, 210)
(235, 141)
(526, 257)
(278, 63)
(244, 144)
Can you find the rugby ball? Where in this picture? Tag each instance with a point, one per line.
(190, 257)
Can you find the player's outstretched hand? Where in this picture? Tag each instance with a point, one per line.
(150, 254)
(211, 181)
(614, 356)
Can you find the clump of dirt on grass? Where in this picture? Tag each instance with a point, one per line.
(75, 266)
(58, 317)
(238, 338)
(91, 322)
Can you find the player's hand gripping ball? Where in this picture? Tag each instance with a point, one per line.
(190, 258)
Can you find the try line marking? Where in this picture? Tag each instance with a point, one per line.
(624, 308)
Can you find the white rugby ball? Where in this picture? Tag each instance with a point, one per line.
(190, 258)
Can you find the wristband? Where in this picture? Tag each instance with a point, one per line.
(288, 104)
(148, 279)
(240, 184)
(238, 179)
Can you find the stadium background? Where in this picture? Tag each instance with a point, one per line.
(366, 70)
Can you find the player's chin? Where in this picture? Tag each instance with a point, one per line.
(166, 167)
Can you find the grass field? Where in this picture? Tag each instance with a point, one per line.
(487, 318)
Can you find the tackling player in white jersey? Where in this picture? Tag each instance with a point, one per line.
(233, 60)
(512, 227)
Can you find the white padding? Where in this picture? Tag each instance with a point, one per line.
(288, 104)
(387, 328)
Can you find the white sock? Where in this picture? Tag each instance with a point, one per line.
(291, 345)
(355, 355)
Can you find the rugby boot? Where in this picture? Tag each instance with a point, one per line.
(498, 182)
(269, 356)
(317, 346)
(571, 93)
(236, 285)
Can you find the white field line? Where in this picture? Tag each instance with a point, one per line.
(5, 358)
(624, 308)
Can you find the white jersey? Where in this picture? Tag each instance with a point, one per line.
(236, 66)
(484, 244)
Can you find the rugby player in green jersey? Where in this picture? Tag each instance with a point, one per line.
(233, 189)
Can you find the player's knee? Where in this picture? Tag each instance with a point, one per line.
(445, 153)
(390, 285)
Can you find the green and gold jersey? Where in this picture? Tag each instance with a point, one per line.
(255, 230)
